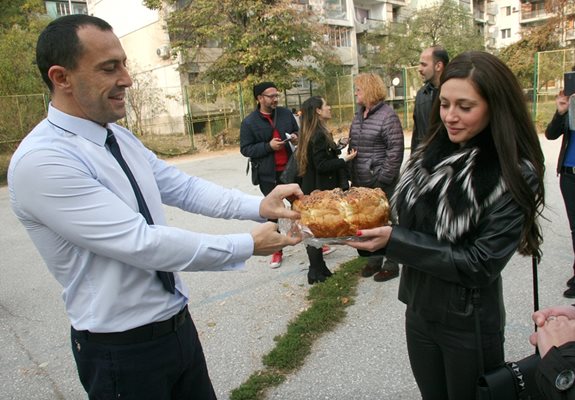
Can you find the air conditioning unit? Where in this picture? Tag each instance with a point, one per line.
(163, 52)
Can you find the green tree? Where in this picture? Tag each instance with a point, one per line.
(271, 39)
(448, 24)
(520, 55)
(20, 23)
(20, 12)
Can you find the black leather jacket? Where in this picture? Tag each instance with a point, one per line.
(438, 277)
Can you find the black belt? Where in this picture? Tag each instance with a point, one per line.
(568, 170)
(140, 334)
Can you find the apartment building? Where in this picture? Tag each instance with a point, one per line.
(144, 38)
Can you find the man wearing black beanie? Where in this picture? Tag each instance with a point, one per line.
(266, 137)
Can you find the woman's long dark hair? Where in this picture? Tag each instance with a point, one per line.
(310, 123)
(513, 132)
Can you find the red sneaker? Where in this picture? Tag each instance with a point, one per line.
(276, 259)
(327, 250)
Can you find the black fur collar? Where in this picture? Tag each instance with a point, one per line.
(446, 187)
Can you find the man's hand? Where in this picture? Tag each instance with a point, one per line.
(276, 144)
(267, 239)
(273, 206)
(556, 331)
(541, 316)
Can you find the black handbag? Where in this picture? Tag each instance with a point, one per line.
(513, 380)
(255, 171)
(289, 174)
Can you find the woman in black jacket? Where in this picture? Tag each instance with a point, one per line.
(319, 167)
(467, 200)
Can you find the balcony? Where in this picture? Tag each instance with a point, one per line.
(379, 26)
(534, 15)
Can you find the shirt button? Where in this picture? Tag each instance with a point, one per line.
(565, 380)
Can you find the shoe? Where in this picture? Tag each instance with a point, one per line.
(315, 277)
(385, 275)
(327, 250)
(571, 281)
(276, 261)
(325, 271)
(570, 293)
(369, 270)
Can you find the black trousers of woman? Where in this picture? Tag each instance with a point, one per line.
(444, 359)
(567, 185)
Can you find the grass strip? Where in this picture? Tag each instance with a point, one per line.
(328, 301)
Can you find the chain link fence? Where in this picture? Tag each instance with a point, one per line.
(548, 81)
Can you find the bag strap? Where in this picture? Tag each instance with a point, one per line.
(476, 302)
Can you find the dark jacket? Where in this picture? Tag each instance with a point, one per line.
(379, 142)
(325, 170)
(421, 112)
(440, 274)
(255, 135)
(558, 360)
(558, 126)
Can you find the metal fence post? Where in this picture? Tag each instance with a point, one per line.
(535, 87)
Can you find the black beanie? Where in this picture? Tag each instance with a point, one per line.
(261, 87)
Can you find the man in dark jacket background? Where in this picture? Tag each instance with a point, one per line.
(265, 137)
(432, 62)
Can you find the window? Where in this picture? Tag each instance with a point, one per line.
(361, 15)
(57, 9)
(505, 33)
(506, 10)
(335, 9)
(339, 36)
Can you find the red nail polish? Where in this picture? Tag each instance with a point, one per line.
(358, 233)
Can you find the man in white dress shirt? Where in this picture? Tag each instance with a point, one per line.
(132, 337)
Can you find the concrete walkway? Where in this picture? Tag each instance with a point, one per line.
(239, 313)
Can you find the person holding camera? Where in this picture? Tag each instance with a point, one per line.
(555, 340)
(559, 127)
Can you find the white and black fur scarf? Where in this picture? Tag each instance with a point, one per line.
(444, 188)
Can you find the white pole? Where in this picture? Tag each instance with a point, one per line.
(69, 7)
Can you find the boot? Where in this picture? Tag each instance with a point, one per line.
(314, 275)
(318, 271)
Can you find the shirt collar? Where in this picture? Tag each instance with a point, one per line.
(84, 128)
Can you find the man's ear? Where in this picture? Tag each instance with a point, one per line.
(59, 77)
(439, 66)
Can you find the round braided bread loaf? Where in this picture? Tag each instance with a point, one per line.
(335, 213)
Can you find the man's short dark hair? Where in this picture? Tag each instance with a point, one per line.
(439, 54)
(58, 44)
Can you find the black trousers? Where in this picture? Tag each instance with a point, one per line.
(171, 367)
(444, 360)
(567, 185)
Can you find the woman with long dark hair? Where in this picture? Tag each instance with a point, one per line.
(319, 167)
(467, 200)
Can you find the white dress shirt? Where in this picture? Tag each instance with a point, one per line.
(80, 211)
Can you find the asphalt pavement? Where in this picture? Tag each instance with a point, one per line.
(238, 314)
